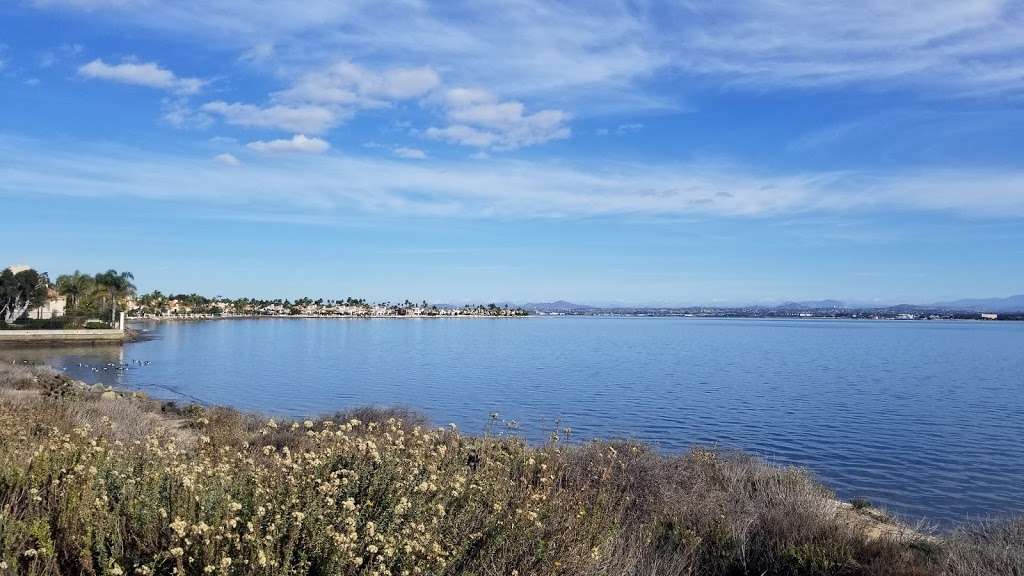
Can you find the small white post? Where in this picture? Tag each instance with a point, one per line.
(120, 324)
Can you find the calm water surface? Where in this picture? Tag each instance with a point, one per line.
(926, 418)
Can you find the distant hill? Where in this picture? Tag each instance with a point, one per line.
(812, 305)
(1008, 304)
(976, 305)
(558, 306)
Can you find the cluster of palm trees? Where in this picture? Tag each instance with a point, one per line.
(92, 294)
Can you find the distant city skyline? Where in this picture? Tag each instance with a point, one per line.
(633, 153)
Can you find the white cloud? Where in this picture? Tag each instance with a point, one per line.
(147, 74)
(521, 49)
(303, 118)
(410, 153)
(318, 101)
(478, 118)
(503, 187)
(227, 159)
(348, 84)
(297, 143)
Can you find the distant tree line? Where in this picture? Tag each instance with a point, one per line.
(157, 303)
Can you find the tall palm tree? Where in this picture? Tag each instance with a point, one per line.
(74, 287)
(116, 285)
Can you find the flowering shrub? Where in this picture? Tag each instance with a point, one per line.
(320, 497)
(112, 486)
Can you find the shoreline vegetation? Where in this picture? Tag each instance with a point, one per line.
(157, 306)
(100, 481)
(30, 302)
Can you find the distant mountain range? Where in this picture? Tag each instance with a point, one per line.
(811, 305)
(1008, 304)
(559, 306)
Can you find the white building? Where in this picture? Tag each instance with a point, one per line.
(55, 305)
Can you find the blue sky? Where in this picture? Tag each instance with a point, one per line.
(635, 152)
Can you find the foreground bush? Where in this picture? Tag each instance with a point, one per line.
(112, 486)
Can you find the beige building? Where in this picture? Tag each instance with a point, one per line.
(55, 307)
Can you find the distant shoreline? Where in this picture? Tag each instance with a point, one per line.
(201, 318)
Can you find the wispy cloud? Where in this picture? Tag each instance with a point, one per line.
(596, 53)
(147, 74)
(966, 47)
(347, 84)
(318, 101)
(63, 52)
(298, 143)
(621, 129)
(479, 118)
(304, 118)
(227, 159)
(522, 50)
(503, 187)
(410, 153)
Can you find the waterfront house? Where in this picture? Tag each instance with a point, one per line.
(55, 304)
(54, 307)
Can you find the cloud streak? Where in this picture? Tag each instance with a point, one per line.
(503, 188)
(961, 47)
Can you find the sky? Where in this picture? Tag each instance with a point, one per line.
(635, 152)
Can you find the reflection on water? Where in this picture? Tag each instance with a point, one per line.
(926, 418)
(102, 363)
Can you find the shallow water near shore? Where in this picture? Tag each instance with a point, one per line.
(924, 418)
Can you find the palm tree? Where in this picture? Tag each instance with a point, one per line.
(74, 287)
(116, 285)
